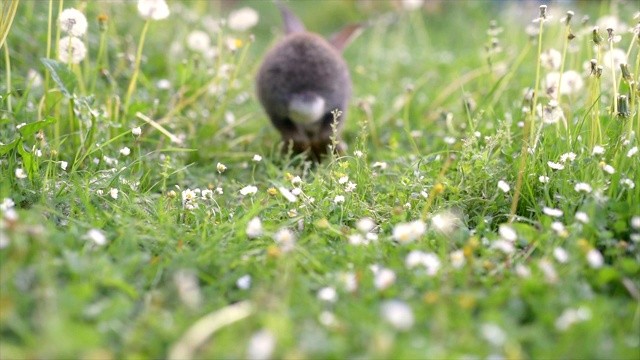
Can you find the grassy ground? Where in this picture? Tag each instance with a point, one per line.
(440, 133)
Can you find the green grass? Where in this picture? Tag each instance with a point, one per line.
(169, 266)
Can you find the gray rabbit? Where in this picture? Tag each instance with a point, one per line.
(301, 80)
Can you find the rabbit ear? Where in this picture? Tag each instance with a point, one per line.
(342, 38)
(291, 23)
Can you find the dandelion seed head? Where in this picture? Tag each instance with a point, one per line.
(551, 59)
(153, 9)
(198, 41)
(257, 158)
(365, 224)
(125, 151)
(71, 50)
(582, 217)
(243, 19)
(136, 131)
(73, 22)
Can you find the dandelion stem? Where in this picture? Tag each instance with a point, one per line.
(7, 60)
(99, 61)
(613, 80)
(567, 124)
(136, 70)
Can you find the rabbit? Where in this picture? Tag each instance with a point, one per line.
(301, 80)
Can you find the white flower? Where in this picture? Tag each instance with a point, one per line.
(34, 78)
(73, 22)
(261, 345)
(97, 237)
(350, 281)
(357, 239)
(597, 150)
(568, 156)
(188, 196)
(219, 190)
(100, 192)
(287, 194)
(635, 222)
(254, 228)
(608, 168)
(20, 125)
(494, 334)
(383, 278)
(338, 199)
(543, 179)
(7, 204)
(285, 238)
(296, 191)
(365, 224)
(549, 270)
(584, 187)
(328, 294)
(412, 4)
(632, 151)
(551, 59)
(430, 261)
(503, 186)
(555, 166)
(163, 84)
(449, 140)
(38, 153)
(71, 50)
(244, 282)
(20, 174)
(327, 318)
(11, 216)
(243, 19)
(523, 271)
(398, 314)
(296, 180)
(444, 222)
(572, 316)
(381, 165)
(63, 165)
(343, 180)
(153, 9)
(457, 259)
(250, 189)
(125, 151)
(186, 282)
(350, 187)
(136, 131)
(257, 158)
(198, 41)
(507, 233)
(595, 259)
(358, 153)
(561, 255)
(628, 182)
(552, 212)
(558, 227)
(221, 168)
(504, 246)
(582, 217)
(113, 192)
(408, 232)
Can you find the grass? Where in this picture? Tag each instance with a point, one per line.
(439, 117)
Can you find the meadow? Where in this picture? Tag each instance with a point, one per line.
(487, 206)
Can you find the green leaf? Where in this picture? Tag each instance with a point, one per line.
(8, 147)
(61, 74)
(30, 129)
(27, 159)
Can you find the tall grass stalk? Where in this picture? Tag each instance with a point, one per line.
(7, 60)
(528, 124)
(136, 69)
(9, 8)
